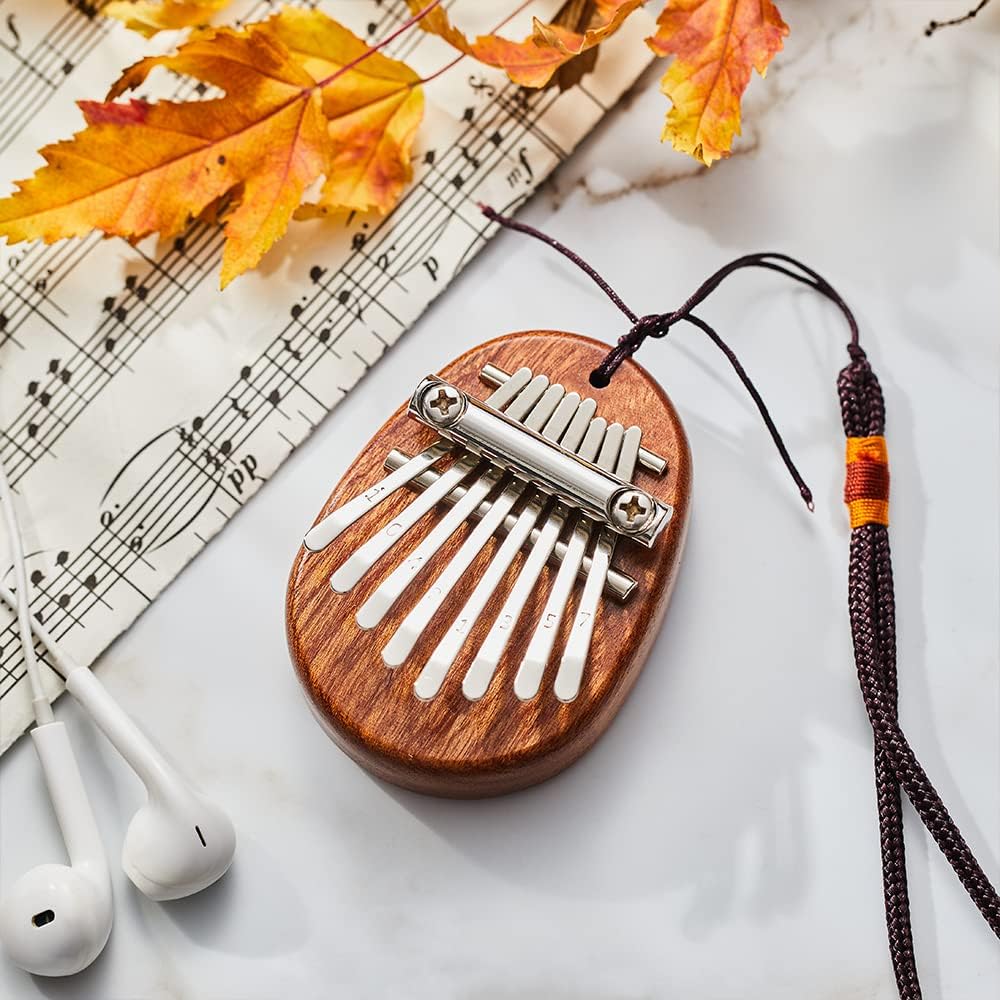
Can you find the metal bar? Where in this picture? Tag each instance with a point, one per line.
(598, 494)
(618, 585)
(657, 464)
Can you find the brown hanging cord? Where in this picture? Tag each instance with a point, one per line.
(871, 600)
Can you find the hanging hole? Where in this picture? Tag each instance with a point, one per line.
(599, 380)
(201, 836)
(43, 918)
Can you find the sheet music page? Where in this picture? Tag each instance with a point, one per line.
(140, 406)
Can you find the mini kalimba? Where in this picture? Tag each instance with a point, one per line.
(479, 593)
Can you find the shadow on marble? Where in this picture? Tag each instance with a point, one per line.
(895, 235)
(257, 891)
(94, 981)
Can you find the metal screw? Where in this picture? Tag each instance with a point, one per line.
(441, 404)
(631, 510)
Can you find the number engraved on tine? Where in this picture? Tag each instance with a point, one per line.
(388, 592)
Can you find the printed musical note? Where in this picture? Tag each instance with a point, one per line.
(13, 40)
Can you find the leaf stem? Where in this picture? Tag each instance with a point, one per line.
(444, 69)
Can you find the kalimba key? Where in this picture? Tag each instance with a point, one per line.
(479, 593)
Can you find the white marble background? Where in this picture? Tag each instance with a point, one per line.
(720, 842)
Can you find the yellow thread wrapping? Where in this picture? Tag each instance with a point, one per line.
(868, 512)
(871, 448)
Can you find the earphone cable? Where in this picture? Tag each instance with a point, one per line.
(61, 662)
(39, 699)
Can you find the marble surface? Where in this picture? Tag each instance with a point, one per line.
(720, 841)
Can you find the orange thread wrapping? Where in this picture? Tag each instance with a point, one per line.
(866, 490)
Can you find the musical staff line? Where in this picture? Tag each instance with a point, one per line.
(43, 70)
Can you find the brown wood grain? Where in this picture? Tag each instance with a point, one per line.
(449, 745)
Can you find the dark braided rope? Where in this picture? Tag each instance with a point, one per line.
(888, 797)
(871, 605)
(871, 601)
(863, 412)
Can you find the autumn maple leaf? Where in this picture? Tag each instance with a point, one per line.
(298, 105)
(533, 61)
(306, 104)
(715, 44)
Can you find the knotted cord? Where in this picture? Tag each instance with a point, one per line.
(871, 600)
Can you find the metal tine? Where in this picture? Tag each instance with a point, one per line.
(389, 591)
(480, 674)
(577, 649)
(619, 585)
(493, 375)
(529, 673)
(334, 524)
(429, 681)
(391, 588)
(338, 521)
(363, 558)
(403, 640)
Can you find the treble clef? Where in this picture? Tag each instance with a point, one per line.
(481, 85)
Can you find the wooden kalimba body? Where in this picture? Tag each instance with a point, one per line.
(480, 591)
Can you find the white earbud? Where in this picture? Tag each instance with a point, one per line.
(55, 920)
(178, 842)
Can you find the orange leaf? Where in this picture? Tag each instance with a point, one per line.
(716, 44)
(532, 62)
(292, 112)
(150, 16)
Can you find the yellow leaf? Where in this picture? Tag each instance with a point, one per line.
(150, 16)
(533, 61)
(715, 44)
(294, 109)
